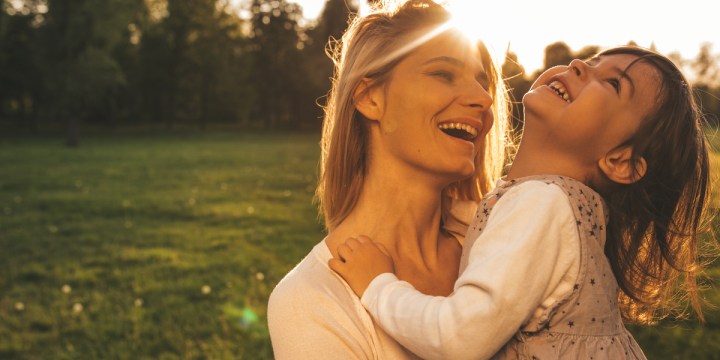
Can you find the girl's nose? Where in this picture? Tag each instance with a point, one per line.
(578, 67)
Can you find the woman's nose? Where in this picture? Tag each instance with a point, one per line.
(478, 97)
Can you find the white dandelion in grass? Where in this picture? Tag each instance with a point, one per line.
(206, 289)
(77, 308)
(250, 209)
(19, 306)
(260, 276)
(52, 229)
(66, 289)
(138, 302)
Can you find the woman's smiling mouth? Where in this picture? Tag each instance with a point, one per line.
(459, 130)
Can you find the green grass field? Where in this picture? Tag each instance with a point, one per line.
(166, 246)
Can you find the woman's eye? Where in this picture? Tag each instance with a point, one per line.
(445, 75)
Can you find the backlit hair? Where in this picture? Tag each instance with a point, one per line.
(370, 48)
(652, 237)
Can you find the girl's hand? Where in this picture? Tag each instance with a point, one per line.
(361, 260)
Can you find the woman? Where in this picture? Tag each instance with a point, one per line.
(408, 149)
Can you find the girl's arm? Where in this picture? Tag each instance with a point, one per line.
(512, 267)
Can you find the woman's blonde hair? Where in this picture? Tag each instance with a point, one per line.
(370, 48)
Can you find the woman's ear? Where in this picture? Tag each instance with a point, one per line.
(368, 100)
(620, 167)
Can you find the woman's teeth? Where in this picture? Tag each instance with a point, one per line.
(459, 130)
(560, 89)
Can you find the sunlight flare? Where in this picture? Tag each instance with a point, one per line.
(480, 21)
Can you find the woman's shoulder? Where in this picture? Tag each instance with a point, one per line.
(311, 299)
(311, 287)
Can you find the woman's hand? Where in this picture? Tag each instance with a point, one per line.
(360, 261)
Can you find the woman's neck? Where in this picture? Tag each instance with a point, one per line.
(404, 216)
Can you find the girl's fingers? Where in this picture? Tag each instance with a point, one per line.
(336, 265)
(353, 243)
(344, 251)
(364, 239)
(383, 249)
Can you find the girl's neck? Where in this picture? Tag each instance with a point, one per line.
(541, 160)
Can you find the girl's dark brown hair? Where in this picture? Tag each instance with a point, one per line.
(652, 234)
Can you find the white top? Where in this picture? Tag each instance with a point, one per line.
(313, 314)
(526, 258)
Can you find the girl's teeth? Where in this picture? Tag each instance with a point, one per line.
(559, 89)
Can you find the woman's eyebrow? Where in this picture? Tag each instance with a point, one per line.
(447, 59)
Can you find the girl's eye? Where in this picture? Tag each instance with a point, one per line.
(445, 75)
(615, 83)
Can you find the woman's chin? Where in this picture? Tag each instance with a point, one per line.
(463, 172)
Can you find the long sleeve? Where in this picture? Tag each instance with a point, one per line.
(517, 262)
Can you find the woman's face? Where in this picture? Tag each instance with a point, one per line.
(436, 109)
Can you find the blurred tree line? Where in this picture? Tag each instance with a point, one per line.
(258, 65)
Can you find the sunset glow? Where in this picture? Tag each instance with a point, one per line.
(527, 26)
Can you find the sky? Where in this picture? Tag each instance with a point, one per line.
(673, 26)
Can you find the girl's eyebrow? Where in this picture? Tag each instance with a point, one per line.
(621, 73)
(624, 75)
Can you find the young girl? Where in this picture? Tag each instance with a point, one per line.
(596, 218)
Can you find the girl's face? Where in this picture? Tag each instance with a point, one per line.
(436, 109)
(589, 108)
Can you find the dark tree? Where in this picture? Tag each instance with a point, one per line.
(557, 54)
(278, 75)
(322, 39)
(19, 69)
